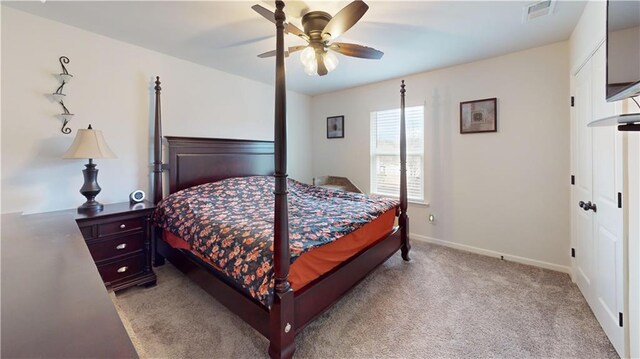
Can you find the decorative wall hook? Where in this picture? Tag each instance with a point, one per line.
(66, 117)
(59, 96)
(64, 60)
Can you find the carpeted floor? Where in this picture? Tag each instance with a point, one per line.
(443, 304)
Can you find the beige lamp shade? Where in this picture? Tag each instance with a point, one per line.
(89, 143)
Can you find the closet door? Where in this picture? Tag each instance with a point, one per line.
(582, 190)
(598, 230)
(608, 220)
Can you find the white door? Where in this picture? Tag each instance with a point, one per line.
(608, 301)
(582, 190)
(598, 231)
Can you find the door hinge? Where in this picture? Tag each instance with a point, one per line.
(573, 252)
(619, 200)
(573, 101)
(620, 321)
(573, 180)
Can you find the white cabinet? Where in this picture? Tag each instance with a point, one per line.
(597, 225)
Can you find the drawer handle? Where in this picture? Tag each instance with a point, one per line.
(121, 246)
(122, 226)
(122, 269)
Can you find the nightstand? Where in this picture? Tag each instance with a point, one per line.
(119, 239)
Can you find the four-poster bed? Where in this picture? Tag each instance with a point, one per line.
(194, 163)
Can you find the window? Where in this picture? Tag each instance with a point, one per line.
(385, 152)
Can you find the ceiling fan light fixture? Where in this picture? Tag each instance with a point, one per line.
(330, 61)
(311, 68)
(308, 56)
(320, 29)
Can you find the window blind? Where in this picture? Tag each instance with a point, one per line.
(385, 152)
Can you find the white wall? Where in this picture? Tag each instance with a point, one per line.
(495, 193)
(112, 90)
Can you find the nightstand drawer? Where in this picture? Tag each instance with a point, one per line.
(115, 271)
(110, 248)
(115, 227)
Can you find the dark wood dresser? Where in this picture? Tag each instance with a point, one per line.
(119, 239)
(54, 304)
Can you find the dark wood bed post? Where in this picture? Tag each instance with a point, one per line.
(157, 148)
(281, 315)
(157, 168)
(403, 220)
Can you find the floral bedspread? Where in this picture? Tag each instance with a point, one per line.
(230, 222)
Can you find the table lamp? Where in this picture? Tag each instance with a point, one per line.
(89, 144)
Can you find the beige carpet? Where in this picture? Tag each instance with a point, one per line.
(444, 304)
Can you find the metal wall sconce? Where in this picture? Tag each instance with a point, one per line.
(59, 96)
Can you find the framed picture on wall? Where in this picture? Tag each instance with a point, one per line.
(335, 127)
(479, 116)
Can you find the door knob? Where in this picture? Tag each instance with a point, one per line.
(588, 206)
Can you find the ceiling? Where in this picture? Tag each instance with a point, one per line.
(416, 36)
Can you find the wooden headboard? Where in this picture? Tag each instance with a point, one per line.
(194, 161)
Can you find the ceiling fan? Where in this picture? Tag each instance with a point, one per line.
(320, 29)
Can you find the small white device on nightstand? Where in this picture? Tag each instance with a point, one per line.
(136, 196)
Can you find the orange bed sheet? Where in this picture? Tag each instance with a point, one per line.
(318, 261)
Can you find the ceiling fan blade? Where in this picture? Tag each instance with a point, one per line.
(345, 19)
(355, 50)
(266, 13)
(269, 54)
(296, 48)
(293, 29)
(288, 27)
(286, 53)
(322, 68)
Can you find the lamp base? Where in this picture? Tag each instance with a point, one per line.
(90, 189)
(90, 207)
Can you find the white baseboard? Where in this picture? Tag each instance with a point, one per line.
(490, 253)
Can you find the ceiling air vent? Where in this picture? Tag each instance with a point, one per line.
(538, 9)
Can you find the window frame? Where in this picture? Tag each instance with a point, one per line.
(373, 154)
